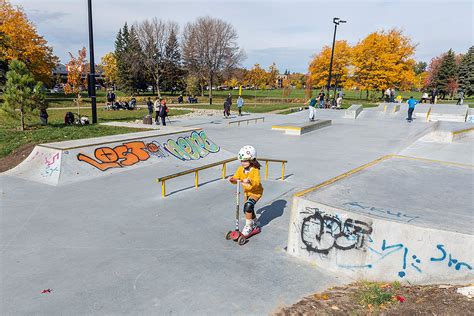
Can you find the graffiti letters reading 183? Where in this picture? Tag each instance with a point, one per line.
(321, 232)
(193, 147)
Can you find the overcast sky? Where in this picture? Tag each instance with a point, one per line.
(285, 32)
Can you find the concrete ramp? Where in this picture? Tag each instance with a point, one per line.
(389, 220)
(301, 128)
(353, 111)
(448, 112)
(72, 161)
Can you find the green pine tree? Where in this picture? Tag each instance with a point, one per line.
(172, 72)
(122, 43)
(466, 72)
(447, 73)
(22, 93)
(134, 57)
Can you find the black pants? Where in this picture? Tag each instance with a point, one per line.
(410, 113)
(163, 120)
(156, 117)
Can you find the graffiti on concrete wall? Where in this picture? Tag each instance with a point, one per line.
(321, 232)
(50, 161)
(381, 212)
(451, 261)
(409, 261)
(193, 147)
(127, 154)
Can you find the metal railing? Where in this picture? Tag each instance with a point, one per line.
(224, 171)
(247, 120)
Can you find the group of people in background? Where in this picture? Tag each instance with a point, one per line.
(160, 108)
(228, 104)
(324, 103)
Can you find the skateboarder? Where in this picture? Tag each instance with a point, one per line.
(411, 107)
(248, 173)
(312, 108)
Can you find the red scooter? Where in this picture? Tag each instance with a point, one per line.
(236, 235)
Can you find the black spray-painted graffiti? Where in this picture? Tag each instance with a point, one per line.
(381, 212)
(321, 232)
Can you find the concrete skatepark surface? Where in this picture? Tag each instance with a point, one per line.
(113, 245)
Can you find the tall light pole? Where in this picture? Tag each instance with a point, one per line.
(91, 81)
(336, 22)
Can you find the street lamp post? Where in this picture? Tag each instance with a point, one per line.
(336, 22)
(91, 82)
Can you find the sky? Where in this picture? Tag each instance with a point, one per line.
(285, 32)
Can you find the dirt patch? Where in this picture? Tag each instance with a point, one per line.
(15, 157)
(405, 300)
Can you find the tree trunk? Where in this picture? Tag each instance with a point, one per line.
(210, 88)
(22, 119)
(78, 103)
(367, 94)
(158, 87)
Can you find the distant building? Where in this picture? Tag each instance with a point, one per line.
(280, 79)
(60, 74)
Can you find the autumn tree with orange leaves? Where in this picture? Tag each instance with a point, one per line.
(23, 43)
(384, 60)
(319, 66)
(77, 69)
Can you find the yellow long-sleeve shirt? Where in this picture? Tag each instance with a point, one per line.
(254, 189)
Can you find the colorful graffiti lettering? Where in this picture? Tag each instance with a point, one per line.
(193, 147)
(451, 261)
(123, 155)
(321, 232)
(381, 212)
(50, 161)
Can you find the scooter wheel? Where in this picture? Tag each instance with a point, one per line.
(227, 236)
(241, 241)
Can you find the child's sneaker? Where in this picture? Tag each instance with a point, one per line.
(247, 230)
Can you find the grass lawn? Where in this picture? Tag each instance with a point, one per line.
(353, 96)
(11, 138)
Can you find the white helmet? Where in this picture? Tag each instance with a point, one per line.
(247, 153)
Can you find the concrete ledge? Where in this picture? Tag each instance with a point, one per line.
(302, 128)
(370, 242)
(375, 249)
(449, 113)
(353, 111)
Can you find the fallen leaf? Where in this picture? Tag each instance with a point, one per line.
(335, 307)
(324, 297)
(400, 298)
(386, 285)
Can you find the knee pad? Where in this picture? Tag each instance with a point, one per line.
(249, 206)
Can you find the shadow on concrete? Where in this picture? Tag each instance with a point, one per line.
(270, 212)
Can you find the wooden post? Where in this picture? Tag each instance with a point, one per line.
(266, 170)
(196, 178)
(282, 171)
(163, 190)
(223, 170)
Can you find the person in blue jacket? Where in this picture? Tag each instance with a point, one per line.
(411, 107)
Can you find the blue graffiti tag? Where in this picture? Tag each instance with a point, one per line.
(382, 212)
(385, 251)
(451, 261)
